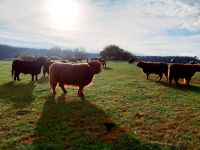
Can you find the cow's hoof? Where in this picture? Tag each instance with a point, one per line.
(64, 92)
(81, 94)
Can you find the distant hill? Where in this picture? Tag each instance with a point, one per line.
(7, 52)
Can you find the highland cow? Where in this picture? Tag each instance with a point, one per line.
(154, 67)
(79, 75)
(184, 71)
(32, 67)
(46, 67)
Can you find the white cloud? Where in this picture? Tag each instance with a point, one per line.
(137, 26)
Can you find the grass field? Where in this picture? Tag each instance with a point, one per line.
(146, 114)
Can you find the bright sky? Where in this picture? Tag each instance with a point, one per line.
(143, 27)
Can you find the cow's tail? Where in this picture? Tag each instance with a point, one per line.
(170, 76)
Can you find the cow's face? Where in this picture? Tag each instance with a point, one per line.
(139, 64)
(42, 61)
(95, 66)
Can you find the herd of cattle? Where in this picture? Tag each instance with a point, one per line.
(81, 75)
(171, 72)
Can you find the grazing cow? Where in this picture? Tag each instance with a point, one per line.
(173, 60)
(73, 74)
(46, 67)
(32, 67)
(154, 67)
(192, 62)
(131, 60)
(184, 71)
(102, 61)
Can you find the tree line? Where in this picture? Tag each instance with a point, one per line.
(169, 59)
(110, 52)
(7, 52)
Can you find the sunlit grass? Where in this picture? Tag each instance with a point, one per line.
(147, 114)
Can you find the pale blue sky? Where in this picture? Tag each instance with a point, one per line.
(147, 27)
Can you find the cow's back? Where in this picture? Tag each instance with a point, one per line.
(182, 70)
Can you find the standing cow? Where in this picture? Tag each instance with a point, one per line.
(184, 71)
(32, 67)
(73, 74)
(46, 67)
(154, 67)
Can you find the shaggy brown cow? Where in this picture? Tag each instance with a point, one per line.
(27, 67)
(184, 71)
(154, 67)
(73, 74)
(46, 67)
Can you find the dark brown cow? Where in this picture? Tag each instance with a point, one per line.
(46, 67)
(32, 67)
(154, 67)
(102, 61)
(131, 60)
(184, 71)
(73, 74)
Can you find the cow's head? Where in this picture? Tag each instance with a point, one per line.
(41, 61)
(95, 66)
(139, 64)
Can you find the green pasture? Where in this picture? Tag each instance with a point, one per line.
(143, 114)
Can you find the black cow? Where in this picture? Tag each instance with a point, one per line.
(32, 67)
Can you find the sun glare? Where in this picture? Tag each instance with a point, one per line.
(64, 14)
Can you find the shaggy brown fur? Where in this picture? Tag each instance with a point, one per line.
(154, 67)
(46, 67)
(73, 74)
(184, 71)
(32, 67)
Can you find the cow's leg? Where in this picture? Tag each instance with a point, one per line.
(170, 78)
(44, 72)
(36, 77)
(53, 86)
(166, 76)
(160, 75)
(32, 77)
(176, 81)
(17, 75)
(147, 76)
(62, 85)
(80, 91)
(187, 82)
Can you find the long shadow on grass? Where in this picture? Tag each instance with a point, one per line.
(181, 87)
(21, 94)
(107, 68)
(79, 124)
(43, 80)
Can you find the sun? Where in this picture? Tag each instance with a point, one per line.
(64, 14)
